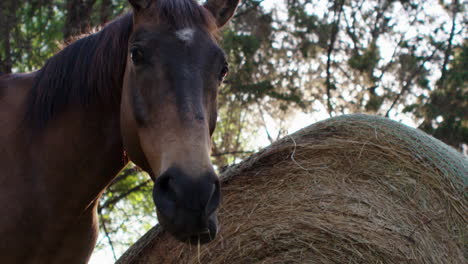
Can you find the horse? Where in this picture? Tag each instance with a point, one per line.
(146, 84)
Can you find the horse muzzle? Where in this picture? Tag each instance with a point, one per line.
(186, 205)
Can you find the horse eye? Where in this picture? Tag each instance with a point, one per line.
(136, 54)
(224, 71)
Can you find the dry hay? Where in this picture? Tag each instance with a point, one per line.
(352, 189)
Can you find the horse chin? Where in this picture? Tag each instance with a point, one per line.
(184, 231)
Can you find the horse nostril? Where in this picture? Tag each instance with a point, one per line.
(214, 197)
(167, 189)
(165, 195)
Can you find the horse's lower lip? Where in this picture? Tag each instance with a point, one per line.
(197, 235)
(201, 238)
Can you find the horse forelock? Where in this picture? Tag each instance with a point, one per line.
(182, 14)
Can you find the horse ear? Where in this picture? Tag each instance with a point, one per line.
(222, 10)
(139, 4)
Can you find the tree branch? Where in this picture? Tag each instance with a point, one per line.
(331, 46)
(106, 232)
(448, 51)
(116, 199)
(264, 123)
(253, 7)
(9, 21)
(124, 174)
(409, 82)
(231, 153)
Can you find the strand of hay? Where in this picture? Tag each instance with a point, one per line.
(351, 189)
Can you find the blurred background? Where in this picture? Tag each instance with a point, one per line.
(292, 63)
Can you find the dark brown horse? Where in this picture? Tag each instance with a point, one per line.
(146, 83)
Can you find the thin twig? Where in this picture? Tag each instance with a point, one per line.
(329, 53)
(264, 123)
(448, 51)
(125, 173)
(409, 82)
(106, 232)
(116, 199)
(231, 153)
(253, 7)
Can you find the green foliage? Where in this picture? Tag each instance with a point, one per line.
(35, 34)
(239, 45)
(126, 209)
(303, 21)
(446, 111)
(36, 30)
(375, 101)
(367, 61)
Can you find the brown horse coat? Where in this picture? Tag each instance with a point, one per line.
(61, 145)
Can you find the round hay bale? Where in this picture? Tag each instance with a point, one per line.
(351, 189)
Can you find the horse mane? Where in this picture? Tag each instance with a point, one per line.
(86, 70)
(92, 68)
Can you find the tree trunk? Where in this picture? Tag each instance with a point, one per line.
(105, 12)
(78, 20)
(8, 21)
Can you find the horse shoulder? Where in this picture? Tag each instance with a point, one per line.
(13, 93)
(14, 87)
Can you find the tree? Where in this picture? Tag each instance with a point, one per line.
(8, 20)
(30, 33)
(255, 87)
(78, 19)
(445, 111)
(382, 57)
(126, 208)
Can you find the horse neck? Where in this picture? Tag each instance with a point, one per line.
(78, 154)
(80, 145)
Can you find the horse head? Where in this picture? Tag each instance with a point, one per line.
(169, 108)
